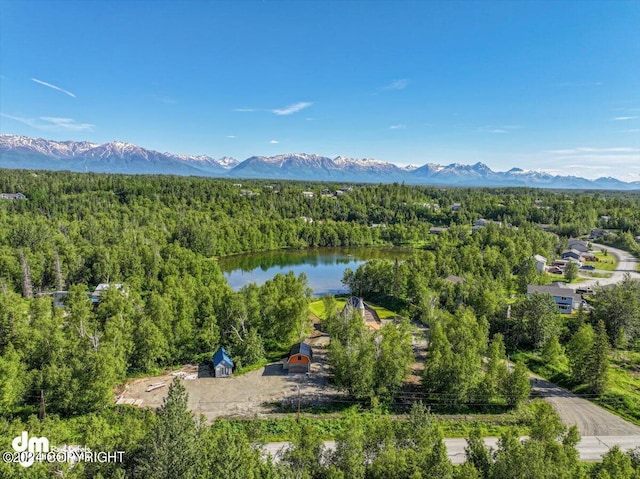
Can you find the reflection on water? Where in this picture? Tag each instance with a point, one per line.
(324, 267)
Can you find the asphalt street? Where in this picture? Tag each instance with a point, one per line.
(590, 448)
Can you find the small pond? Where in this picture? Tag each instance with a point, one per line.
(324, 267)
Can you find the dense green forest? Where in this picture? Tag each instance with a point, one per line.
(160, 238)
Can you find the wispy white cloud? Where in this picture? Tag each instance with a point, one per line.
(52, 123)
(632, 130)
(582, 150)
(274, 142)
(579, 84)
(399, 126)
(291, 109)
(396, 85)
(624, 118)
(233, 137)
(498, 129)
(245, 110)
(590, 167)
(167, 100)
(67, 92)
(592, 162)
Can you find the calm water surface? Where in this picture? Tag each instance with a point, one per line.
(324, 267)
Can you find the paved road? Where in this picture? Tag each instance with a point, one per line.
(592, 420)
(627, 263)
(591, 448)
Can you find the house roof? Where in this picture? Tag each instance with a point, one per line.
(355, 302)
(301, 348)
(105, 286)
(574, 241)
(455, 279)
(542, 259)
(220, 357)
(554, 291)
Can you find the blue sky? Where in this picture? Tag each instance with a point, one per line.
(541, 85)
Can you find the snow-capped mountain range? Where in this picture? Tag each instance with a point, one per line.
(118, 157)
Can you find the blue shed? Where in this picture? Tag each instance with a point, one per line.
(222, 364)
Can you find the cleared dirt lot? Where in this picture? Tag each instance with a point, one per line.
(245, 395)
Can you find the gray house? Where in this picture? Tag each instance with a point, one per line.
(578, 245)
(541, 263)
(565, 298)
(571, 254)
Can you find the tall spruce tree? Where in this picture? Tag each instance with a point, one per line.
(169, 450)
(598, 360)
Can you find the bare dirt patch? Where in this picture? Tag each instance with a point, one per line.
(246, 395)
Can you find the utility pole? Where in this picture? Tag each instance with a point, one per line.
(298, 416)
(43, 412)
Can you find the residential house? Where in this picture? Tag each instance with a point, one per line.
(455, 279)
(102, 287)
(436, 230)
(565, 298)
(571, 254)
(578, 245)
(371, 319)
(597, 233)
(541, 263)
(481, 223)
(59, 297)
(456, 206)
(222, 364)
(299, 359)
(12, 196)
(560, 263)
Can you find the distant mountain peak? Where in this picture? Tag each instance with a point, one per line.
(123, 157)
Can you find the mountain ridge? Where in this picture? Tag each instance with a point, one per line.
(23, 152)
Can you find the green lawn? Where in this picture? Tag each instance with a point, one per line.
(623, 392)
(317, 308)
(592, 274)
(607, 263)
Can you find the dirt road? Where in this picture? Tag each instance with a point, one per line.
(592, 420)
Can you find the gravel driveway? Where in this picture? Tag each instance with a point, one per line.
(592, 420)
(253, 393)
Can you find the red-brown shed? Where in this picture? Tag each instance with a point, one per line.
(300, 357)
